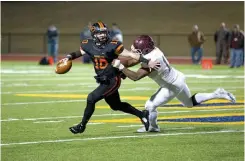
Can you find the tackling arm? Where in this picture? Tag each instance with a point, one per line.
(138, 57)
(141, 73)
(128, 62)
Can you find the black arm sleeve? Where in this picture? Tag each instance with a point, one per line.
(74, 55)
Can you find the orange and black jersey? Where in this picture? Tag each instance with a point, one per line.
(103, 57)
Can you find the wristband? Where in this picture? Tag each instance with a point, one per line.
(121, 67)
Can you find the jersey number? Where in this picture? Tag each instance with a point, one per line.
(100, 63)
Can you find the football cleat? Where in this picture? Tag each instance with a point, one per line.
(221, 93)
(141, 130)
(145, 119)
(151, 129)
(154, 129)
(77, 128)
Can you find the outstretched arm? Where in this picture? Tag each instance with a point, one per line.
(141, 73)
(73, 55)
(76, 54)
(128, 62)
(137, 57)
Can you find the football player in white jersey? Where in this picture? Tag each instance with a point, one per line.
(171, 81)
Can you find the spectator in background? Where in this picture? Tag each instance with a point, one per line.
(116, 33)
(237, 46)
(86, 34)
(52, 35)
(221, 37)
(196, 40)
(242, 32)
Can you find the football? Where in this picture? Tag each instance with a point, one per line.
(63, 67)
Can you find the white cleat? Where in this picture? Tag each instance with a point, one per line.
(221, 93)
(154, 129)
(141, 130)
(151, 129)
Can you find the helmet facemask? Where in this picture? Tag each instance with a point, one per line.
(100, 35)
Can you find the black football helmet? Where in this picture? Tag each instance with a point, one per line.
(99, 33)
(143, 44)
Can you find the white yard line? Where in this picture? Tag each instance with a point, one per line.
(176, 128)
(119, 114)
(65, 85)
(123, 137)
(29, 103)
(126, 126)
(121, 89)
(198, 76)
(51, 121)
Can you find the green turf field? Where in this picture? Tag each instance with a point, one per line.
(38, 106)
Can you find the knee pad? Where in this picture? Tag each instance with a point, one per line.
(150, 106)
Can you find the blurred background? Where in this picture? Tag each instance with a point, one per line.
(25, 24)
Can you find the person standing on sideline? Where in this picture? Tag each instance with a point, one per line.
(86, 34)
(221, 37)
(196, 40)
(242, 32)
(52, 36)
(116, 33)
(237, 46)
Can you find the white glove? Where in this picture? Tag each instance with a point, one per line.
(117, 64)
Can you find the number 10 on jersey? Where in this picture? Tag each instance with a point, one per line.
(100, 63)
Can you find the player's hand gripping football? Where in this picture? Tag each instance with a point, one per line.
(63, 66)
(117, 64)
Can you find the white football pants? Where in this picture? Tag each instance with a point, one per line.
(178, 89)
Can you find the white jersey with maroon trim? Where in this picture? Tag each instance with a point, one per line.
(166, 74)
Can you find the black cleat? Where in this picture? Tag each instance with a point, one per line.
(145, 119)
(77, 129)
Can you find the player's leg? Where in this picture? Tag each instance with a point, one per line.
(187, 100)
(116, 104)
(92, 98)
(162, 96)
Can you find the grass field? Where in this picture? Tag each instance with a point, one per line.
(38, 106)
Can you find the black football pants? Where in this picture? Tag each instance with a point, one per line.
(109, 92)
